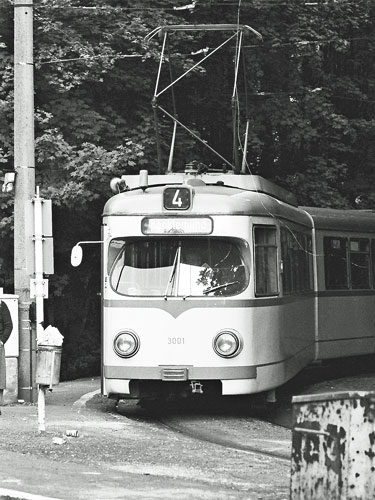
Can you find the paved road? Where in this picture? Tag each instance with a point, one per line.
(134, 453)
(116, 457)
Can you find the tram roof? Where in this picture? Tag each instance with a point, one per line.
(342, 220)
(246, 182)
(213, 194)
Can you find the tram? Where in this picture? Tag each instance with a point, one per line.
(220, 283)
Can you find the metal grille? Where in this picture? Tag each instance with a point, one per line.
(174, 374)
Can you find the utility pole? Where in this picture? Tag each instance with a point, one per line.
(24, 164)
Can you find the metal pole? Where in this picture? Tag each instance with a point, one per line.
(158, 94)
(194, 135)
(157, 135)
(244, 153)
(38, 246)
(171, 152)
(42, 408)
(24, 164)
(154, 106)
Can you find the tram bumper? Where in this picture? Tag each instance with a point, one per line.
(137, 382)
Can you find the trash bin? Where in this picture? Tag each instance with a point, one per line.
(333, 447)
(48, 362)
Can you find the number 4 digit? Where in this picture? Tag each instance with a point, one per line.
(177, 199)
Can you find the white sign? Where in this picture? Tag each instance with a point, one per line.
(12, 346)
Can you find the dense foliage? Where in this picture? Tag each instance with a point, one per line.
(308, 91)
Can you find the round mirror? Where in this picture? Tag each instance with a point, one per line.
(76, 255)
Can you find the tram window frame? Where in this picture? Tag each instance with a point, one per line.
(296, 254)
(310, 261)
(363, 252)
(139, 258)
(266, 258)
(351, 282)
(336, 274)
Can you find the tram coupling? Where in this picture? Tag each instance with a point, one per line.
(196, 387)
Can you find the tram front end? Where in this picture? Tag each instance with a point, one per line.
(175, 280)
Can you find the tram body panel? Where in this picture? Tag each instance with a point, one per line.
(281, 309)
(281, 331)
(276, 333)
(161, 332)
(166, 339)
(346, 314)
(276, 343)
(229, 226)
(346, 325)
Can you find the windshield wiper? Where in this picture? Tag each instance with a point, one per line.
(172, 277)
(218, 287)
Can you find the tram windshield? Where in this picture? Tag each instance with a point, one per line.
(178, 267)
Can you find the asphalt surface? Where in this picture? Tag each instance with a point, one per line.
(116, 457)
(228, 449)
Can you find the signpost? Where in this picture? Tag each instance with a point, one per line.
(42, 253)
(33, 243)
(24, 165)
(39, 253)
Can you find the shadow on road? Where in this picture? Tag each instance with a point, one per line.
(329, 376)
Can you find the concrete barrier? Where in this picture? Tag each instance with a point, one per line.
(333, 447)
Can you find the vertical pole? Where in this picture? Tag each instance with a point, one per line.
(42, 408)
(38, 256)
(155, 108)
(171, 152)
(173, 142)
(24, 164)
(244, 154)
(235, 110)
(235, 118)
(157, 134)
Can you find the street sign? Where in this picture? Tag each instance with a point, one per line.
(48, 267)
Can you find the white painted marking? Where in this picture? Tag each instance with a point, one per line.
(22, 495)
(81, 402)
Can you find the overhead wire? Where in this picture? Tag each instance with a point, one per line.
(87, 58)
(259, 194)
(285, 44)
(235, 99)
(198, 4)
(106, 8)
(237, 124)
(239, 5)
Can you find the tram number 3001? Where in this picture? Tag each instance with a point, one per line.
(176, 340)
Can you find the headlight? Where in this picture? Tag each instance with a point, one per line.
(126, 344)
(227, 344)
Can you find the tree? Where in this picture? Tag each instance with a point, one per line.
(307, 91)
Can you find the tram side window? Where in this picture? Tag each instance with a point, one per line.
(336, 263)
(360, 263)
(266, 282)
(296, 254)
